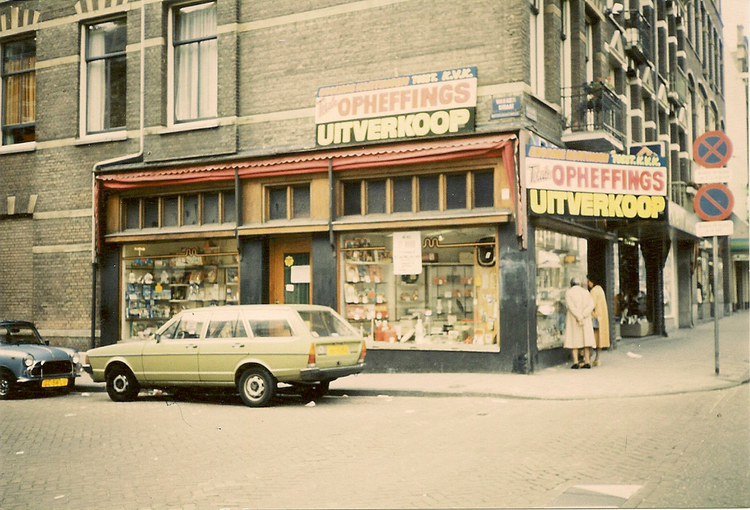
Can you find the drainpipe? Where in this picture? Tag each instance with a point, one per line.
(119, 159)
(331, 206)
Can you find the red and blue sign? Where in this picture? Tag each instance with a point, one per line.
(712, 149)
(713, 202)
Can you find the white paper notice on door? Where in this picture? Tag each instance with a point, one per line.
(407, 253)
(300, 274)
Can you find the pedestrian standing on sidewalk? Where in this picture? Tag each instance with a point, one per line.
(579, 330)
(600, 318)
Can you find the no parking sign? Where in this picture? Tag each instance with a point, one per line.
(713, 202)
(712, 149)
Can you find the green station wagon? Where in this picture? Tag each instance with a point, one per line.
(250, 347)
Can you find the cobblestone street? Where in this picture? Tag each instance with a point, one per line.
(83, 451)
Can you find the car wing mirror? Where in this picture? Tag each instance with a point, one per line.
(46, 342)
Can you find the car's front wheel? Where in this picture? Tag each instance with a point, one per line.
(7, 386)
(122, 386)
(257, 387)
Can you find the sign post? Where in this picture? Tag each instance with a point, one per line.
(713, 203)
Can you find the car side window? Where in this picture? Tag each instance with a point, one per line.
(270, 327)
(189, 325)
(226, 327)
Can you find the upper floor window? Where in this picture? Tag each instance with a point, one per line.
(536, 50)
(210, 208)
(430, 192)
(105, 76)
(195, 65)
(288, 202)
(18, 91)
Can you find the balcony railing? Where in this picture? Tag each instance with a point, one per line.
(678, 87)
(638, 37)
(595, 108)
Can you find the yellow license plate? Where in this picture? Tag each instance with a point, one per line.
(54, 383)
(337, 350)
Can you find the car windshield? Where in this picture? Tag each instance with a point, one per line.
(324, 323)
(14, 334)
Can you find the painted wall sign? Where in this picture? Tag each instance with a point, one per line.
(414, 106)
(565, 182)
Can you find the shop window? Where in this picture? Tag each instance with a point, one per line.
(105, 72)
(375, 197)
(190, 210)
(160, 280)
(301, 201)
(181, 210)
(484, 189)
(559, 257)
(18, 74)
(229, 210)
(429, 193)
(277, 203)
(287, 202)
(451, 302)
(151, 213)
(402, 195)
(352, 198)
(435, 192)
(455, 191)
(195, 62)
(211, 208)
(132, 213)
(171, 212)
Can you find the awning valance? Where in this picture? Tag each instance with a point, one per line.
(406, 153)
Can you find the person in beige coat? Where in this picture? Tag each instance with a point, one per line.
(601, 314)
(579, 332)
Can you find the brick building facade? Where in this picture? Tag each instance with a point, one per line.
(180, 160)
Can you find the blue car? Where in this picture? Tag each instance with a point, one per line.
(28, 362)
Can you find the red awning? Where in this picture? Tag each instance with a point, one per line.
(405, 153)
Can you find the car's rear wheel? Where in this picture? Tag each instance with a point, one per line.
(257, 387)
(122, 386)
(7, 386)
(315, 391)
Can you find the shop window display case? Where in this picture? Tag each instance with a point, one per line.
(159, 286)
(451, 304)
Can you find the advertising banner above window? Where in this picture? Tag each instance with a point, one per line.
(565, 182)
(415, 106)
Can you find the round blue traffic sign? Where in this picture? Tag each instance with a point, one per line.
(713, 202)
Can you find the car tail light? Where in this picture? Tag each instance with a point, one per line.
(311, 356)
(363, 352)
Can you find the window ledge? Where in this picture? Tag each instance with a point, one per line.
(110, 136)
(190, 126)
(18, 147)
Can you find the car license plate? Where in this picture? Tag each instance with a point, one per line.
(337, 350)
(54, 383)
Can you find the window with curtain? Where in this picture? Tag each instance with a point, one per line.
(195, 62)
(19, 91)
(106, 76)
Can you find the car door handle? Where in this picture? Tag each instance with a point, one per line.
(191, 346)
(239, 346)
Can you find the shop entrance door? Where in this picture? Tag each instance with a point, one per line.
(290, 271)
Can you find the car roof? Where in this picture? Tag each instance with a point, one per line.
(11, 322)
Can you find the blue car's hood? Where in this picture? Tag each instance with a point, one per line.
(40, 352)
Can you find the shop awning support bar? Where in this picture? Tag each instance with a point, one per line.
(332, 205)
(237, 208)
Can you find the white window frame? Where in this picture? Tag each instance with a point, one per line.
(536, 49)
(172, 123)
(119, 133)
